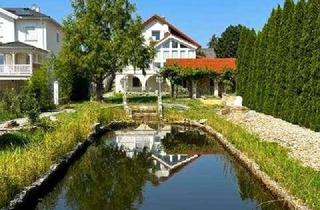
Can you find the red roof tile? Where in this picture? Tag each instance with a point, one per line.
(213, 64)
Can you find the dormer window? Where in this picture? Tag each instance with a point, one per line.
(156, 35)
(31, 33)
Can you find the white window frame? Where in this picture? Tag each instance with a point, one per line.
(175, 53)
(166, 54)
(34, 37)
(184, 53)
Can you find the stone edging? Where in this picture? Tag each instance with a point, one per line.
(274, 187)
(29, 196)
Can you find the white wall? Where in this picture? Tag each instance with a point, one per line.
(52, 43)
(155, 26)
(40, 30)
(7, 24)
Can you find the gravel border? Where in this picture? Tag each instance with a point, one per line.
(303, 144)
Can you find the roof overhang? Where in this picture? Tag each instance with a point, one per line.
(9, 14)
(21, 48)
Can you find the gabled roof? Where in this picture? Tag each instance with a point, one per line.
(25, 12)
(173, 30)
(217, 65)
(20, 45)
(28, 13)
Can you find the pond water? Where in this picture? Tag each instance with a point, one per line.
(158, 167)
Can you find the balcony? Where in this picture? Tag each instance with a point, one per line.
(18, 70)
(19, 60)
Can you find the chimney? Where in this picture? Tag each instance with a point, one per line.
(35, 7)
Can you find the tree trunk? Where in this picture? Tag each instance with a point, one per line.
(177, 89)
(110, 80)
(172, 90)
(99, 88)
(190, 88)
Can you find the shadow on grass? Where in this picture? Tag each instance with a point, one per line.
(13, 140)
(132, 99)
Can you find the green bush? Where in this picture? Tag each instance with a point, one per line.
(11, 102)
(39, 86)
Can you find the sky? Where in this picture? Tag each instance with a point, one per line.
(200, 19)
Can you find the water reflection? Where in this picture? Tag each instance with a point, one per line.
(144, 138)
(152, 168)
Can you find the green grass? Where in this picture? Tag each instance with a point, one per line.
(300, 181)
(27, 155)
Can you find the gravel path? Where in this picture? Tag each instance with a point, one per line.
(303, 143)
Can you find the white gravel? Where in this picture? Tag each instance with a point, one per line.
(303, 143)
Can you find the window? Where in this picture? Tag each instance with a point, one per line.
(58, 37)
(175, 54)
(1, 59)
(1, 30)
(166, 44)
(31, 34)
(183, 54)
(158, 55)
(183, 46)
(191, 54)
(156, 35)
(166, 54)
(174, 44)
(136, 82)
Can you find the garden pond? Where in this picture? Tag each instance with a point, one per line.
(153, 167)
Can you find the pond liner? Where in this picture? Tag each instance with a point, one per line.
(29, 196)
(280, 193)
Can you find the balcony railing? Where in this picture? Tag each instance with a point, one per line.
(16, 70)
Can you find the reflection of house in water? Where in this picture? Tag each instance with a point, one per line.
(145, 137)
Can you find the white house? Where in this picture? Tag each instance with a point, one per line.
(27, 36)
(170, 43)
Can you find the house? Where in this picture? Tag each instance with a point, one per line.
(27, 37)
(170, 42)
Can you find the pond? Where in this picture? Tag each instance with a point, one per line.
(158, 167)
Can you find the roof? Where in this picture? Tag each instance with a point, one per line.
(20, 45)
(25, 12)
(29, 13)
(217, 65)
(173, 30)
(208, 52)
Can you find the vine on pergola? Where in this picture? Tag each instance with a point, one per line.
(177, 75)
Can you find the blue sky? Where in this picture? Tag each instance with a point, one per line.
(198, 18)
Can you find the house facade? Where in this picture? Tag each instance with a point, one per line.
(170, 43)
(27, 37)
